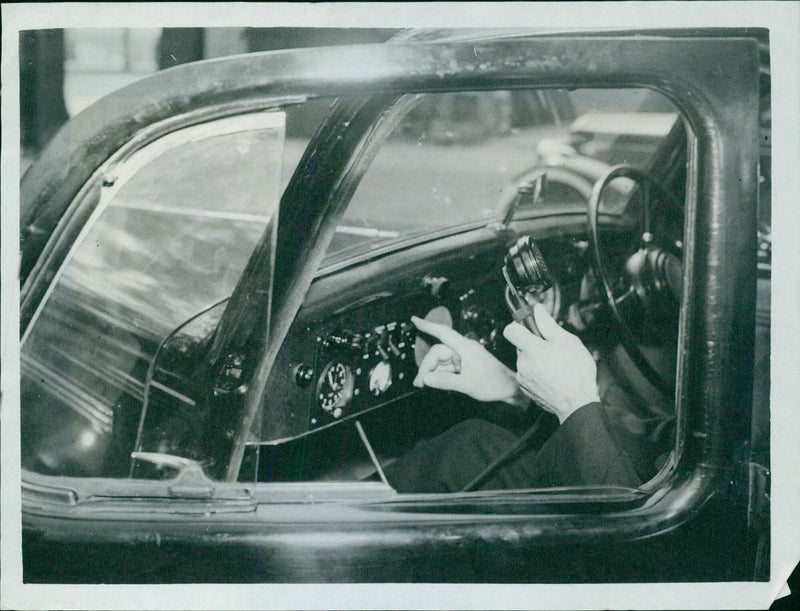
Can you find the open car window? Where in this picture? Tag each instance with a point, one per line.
(174, 227)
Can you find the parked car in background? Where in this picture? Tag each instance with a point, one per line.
(217, 353)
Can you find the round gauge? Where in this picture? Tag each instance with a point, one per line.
(380, 378)
(335, 387)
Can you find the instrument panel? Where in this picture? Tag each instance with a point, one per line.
(361, 368)
(354, 349)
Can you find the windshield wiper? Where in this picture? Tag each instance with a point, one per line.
(531, 190)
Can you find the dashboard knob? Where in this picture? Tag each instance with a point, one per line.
(303, 375)
(356, 340)
(408, 330)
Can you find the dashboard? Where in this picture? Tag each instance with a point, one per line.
(353, 349)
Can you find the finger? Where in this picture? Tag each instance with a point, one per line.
(443, 333)
(438, 356)
(523, 339)
(547, 325)
(444, 380)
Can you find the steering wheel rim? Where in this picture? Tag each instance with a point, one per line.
(627, 337)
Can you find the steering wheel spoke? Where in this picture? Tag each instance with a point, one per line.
(624, 298)
(652, 274)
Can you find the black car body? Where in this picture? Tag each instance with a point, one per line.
(239, 403)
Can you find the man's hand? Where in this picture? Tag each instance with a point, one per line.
(557, 372)
(465, 366)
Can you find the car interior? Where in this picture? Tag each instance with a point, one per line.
(342, 404)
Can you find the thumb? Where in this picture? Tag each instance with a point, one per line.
(547, 325)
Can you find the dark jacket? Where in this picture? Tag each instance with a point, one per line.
(589, 448)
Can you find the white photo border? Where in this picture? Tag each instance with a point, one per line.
(783, 21)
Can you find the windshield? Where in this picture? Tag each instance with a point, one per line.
(454, 159)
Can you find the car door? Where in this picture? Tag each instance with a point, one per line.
(344, 532)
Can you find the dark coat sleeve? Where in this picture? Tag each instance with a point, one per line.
(587, 449)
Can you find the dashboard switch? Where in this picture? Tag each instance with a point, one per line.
(343, 340)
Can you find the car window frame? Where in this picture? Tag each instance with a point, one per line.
(700, 95)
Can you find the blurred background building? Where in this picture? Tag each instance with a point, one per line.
(64, 71)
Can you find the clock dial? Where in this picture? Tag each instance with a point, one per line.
(335, 387)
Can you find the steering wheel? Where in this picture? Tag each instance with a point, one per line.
(653, 274)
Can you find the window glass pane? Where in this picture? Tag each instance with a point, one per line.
(453, 157)
(162, 246)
